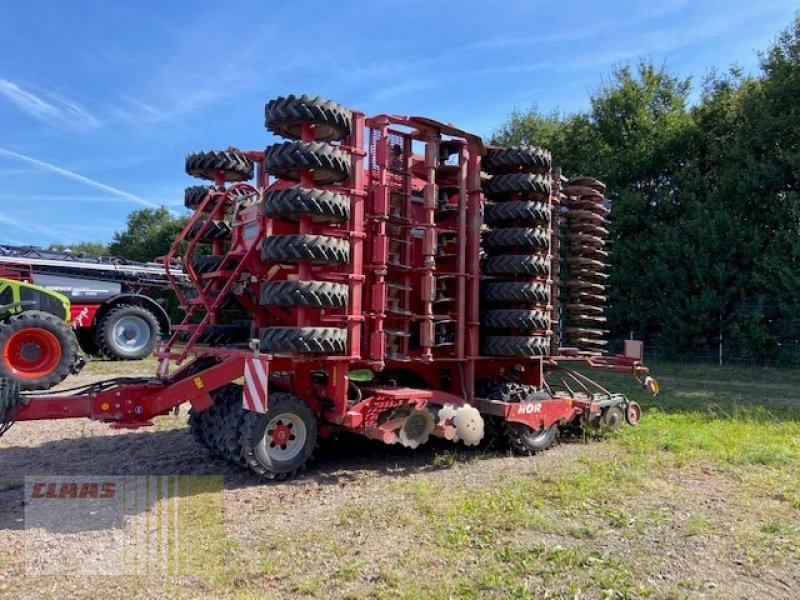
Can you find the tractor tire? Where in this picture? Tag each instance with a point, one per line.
(516, 319)
(531, 187)
(316, 294)
(206, 165)
(287, 160)
(227, 419)
(128, 332)
(194, 195)
(202, 263)
(216, 230)
(520, 211)
(287, 419)
(510, 264)
(527, 442)
(316, 249)
(292, 203)
(37, 350)
(529, 159)
(303, 340)
(525, 238)
(221, 335)
(286, 115)
(516, 345)
(517, 291)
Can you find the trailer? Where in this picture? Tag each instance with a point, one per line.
(114, 309)
(388, 276)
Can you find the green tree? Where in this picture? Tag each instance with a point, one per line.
(93, 248)
(149, 234)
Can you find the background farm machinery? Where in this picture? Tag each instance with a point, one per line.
(388, 276)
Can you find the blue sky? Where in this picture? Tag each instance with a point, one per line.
(100, 101)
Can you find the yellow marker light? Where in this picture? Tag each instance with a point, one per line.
(105, 406)
(198, 383)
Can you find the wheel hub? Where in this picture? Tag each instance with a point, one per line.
(32, 352)
(131, 333)
(284, 437)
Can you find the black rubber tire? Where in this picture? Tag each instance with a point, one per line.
(318, 294)
(516, 319)
(107, 342)
(286, 115)
(516, 345)
(303, 340)
(516, 211)
(329, 164)
(516, 265)
(225, 419)
(87, 341)
(205, 165)
(221, 335)
(526, 442)
(531, 187)
(516, 291)
(292, 203)
(530, 159)
(316, 249)
(509, 391)
(517, 237)
(194, 195)
(216, 230)
(253, 432)
(39, 320)
(202, 263)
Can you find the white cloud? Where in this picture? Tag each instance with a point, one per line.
(58, 111)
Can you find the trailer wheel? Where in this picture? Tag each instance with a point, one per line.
(327, 163)
(516, 237)
(194, 195)
(526, 441)
(633, 413)
(531, 159)
(205, 263)
(516, 345)
(128, 332)
(280, 442)
(316, 249)
(516, 291)
(292, 203)
(511, 264)
(37, 350)
(516, 319)
(206, 165)
(520, 211)
(317, 294)
(531, 187)
(286, 116)
(303, 340)
(225, 421)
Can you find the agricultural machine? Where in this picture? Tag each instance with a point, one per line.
(114, 309)
(388, 276)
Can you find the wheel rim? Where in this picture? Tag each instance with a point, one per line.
(32, 352)
(131, 333)
(284, 438)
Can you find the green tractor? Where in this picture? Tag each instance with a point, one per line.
(38, 347)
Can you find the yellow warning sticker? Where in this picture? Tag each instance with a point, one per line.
(198, 383)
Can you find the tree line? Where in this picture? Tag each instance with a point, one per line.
(705, 221)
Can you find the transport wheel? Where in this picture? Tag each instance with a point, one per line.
(286, 116)
(516, 319)
(304, 293)
(516, 291)
(128, 332)
(215, 230)
(633, 413)
(530, 159)
(316, 249)
(511, 264)
(532, 187)
(516, 345)
(327, 163)
(516, 237)
(520, 211)
(292, 203)
(526, 441)
(303, 340)
(205, 263)
(221, 335)
(37, 350)
(226, 418)
(280, 442)
(612, 418)
(205, 165)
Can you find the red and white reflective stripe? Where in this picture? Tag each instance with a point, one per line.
(256, 377)
(163, 364)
